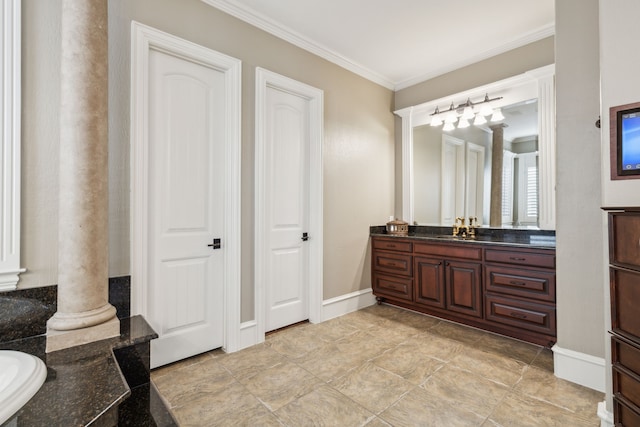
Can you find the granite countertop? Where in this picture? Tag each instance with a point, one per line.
(82, 382)
(540, 239)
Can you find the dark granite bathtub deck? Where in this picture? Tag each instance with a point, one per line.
(86, 384)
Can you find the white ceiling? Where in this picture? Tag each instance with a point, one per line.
(398, 43)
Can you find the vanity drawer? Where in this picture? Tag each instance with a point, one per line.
(625, 294)
(530, 259)
(524, 283)
(393, 287)
(450, 251)
(625, 354)
(624, 241)
(392, 245)
(522, 314)
(626, 385)
(624, 415)
(390, 262)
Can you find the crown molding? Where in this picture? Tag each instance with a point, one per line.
(269, 25)
(533, 36)
(258, 20)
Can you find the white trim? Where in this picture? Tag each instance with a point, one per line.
(533, 36)
(264, 23)
(579, 368)
(606, 417)
(547, 147)
(534, 83)
(10, 42)
(144, 39)
(249, 335)
(252, 17)
(347, 303)
(407, 164)
(265, 79)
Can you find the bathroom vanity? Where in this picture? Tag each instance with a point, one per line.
(501, 281)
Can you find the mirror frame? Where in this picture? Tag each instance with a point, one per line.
(512, 90)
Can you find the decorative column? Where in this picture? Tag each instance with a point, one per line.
(497, 157)
(84, 313)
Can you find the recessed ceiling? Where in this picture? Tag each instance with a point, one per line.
(403, 42)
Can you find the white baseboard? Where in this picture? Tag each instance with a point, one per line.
(606, 417)
(344, 304)
(248, 335)
(579, 368)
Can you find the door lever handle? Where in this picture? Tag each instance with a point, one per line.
(305, 237)
(216, 244)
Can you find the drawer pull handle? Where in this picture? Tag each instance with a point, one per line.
(515, 258)
(513, 282)
(391, 264)
(389, 245)
(518, 315)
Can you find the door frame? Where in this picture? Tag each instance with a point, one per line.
(143, 40)
(267, 79)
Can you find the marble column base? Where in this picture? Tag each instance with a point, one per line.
(59, 340)
(62, 321)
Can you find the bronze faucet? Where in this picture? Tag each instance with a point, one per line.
(472, 227)
(459, 227)
(464, 231)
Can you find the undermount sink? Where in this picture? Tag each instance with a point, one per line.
(21, 376)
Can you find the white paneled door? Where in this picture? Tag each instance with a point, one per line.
(186, 194)
(287, 208)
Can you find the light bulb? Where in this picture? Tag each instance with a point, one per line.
(436, 120)
(448, 127)
(463, 123)
(480, 120)
(451, 117)
(486, 110)
(497, 116)
(468, 113)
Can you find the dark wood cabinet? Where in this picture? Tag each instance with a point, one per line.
(451, 285)
(508, 290)
(429, 278)
(521, 291)
(392, 269)
(624, 277)
(464, 287)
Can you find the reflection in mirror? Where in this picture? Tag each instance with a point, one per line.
(452, 171)
(501, 172)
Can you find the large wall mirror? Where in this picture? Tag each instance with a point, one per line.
(498, 166)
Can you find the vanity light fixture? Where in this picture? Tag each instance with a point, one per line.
(479, 120)
(497, 115)
(451, 116)
(468, 113)
(436, 120)
(476, 111)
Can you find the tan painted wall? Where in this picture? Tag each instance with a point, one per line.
(508, 64)
(358, 145)
(40, 137)
(579, 265)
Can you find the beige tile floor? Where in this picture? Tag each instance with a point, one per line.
(379, 366)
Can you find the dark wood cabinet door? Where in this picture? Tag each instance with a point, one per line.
(429, 282)
(464, 287)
